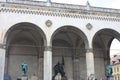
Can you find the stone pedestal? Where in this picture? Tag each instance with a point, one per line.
(58, 77)
(34, 78)
(24, 78)
(7, 77)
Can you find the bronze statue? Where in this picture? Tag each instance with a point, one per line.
(24, 68)
(59, 69)
(109, 70)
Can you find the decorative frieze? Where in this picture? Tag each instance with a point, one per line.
(63, 6)
(52, 11)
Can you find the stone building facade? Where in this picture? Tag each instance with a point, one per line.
(115, 63)
(41, 33)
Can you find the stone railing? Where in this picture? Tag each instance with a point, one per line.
(68, 6)
(109, 10)
(64, 6)
(27, 2)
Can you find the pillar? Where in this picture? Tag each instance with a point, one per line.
(76, 69)
(2, 63)
(40, 71)
(48, 63)
(90, 63)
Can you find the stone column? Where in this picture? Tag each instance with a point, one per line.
(40, 68)
(90, 62)
(48, 63)
(2, 63)
(76, 69)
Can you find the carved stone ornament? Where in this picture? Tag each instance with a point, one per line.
(89, 26)
(48, 23)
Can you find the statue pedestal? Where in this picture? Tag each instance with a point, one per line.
(24, 78)
(58, 77)
(111, 78)
(34, 78)
(64, 78)
(7, 77)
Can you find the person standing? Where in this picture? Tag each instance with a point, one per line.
(107, 78)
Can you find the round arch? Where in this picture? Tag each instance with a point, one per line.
(28, 24)
(104, 35)
(69, 47)
(75, 30)
(24, 43)
(107, 31)
(101, 48)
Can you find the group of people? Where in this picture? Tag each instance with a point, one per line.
(106, 78)
(92, 77)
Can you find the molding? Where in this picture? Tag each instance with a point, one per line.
(63, 6)
(89, 50)
(48, 48)
(59, 12)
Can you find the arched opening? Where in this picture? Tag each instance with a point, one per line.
(114, 47)
(115, 58)
(24, 43)
(69, 48)
(101, 49)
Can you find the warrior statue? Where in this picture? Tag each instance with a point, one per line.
(59, 69)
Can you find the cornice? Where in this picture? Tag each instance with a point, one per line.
(59, 12)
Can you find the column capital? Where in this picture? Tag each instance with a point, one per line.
(89, 50)
(48, 48)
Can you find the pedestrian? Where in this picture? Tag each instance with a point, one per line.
(107, 78)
